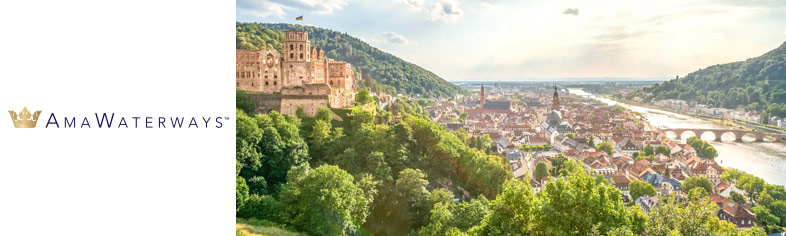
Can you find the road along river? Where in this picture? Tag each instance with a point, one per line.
(766, 160)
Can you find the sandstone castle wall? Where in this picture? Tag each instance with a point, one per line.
(299, 76)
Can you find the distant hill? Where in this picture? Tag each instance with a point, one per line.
(381, 71)
(758, 83)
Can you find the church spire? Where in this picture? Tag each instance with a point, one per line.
(482, 95)
(555, 100)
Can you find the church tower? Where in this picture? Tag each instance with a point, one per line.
(555, 100)
(482, 95)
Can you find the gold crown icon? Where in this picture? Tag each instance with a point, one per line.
(23, 120)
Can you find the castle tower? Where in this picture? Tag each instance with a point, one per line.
(482, 95)
(555, 100)
(297, 52)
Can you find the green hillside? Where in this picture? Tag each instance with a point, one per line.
(755, 84)
(381, 71)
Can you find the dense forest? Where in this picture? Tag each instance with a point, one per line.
(380, 71)
(370, 174)
(755, 84)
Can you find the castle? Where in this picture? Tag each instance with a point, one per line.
(300, 78)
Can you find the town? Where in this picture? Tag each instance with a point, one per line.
(536, 128)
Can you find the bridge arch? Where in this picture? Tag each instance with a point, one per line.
(746, 137)
(687, 134)
(732, 136)
(705, 135)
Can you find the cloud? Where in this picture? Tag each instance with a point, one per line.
(571, 11)
(414, 5)
(445, 10)
(264, 8)
(261, 8)
(394, 38)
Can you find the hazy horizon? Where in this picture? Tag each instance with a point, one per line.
(466, 39)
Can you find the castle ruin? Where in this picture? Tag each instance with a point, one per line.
(300, 77)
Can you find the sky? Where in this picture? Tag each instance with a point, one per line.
(509, 40)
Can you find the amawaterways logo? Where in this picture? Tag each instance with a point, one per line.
(108, 120)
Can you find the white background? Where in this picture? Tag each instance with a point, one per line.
(134, 58)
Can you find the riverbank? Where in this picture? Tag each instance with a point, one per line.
(715, 120)
(765, 159)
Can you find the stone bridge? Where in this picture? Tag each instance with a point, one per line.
(738, 134)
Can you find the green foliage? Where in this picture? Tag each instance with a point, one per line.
(640, 188)
(698, 217)
(578, 204)
(703, 149)
(482, 143)
(380, 71)
(764, 199)
(771, 199)
(778, 208)
(411, 185)
(244, 102)
(363, 97)
(256, 227)
(325, 201)
(736, 197)
(257, 185)
(754, 84)
(514, 212)
(268, 145)
(697, 182)
(618, 109)
(662, 149)
(558, 165)
(570, 135)
(535, 148)
(262, 207)
(649, 150)
(767, 219)
(540, 171)
(605, 147)
(241, 192)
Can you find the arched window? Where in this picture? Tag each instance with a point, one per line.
(301, 47)
(291, 47)
(301, 55)
(291, 55)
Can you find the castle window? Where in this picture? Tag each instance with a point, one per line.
(252, 84)
(275, 83)
(242, 75)
(265, 76)
(301, 56)
(275, 77)
(291, 55)
(238, 84)
(301, 47)
(266, 83)
(237, 74)
(291, 47)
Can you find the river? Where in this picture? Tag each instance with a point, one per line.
(766, 160)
